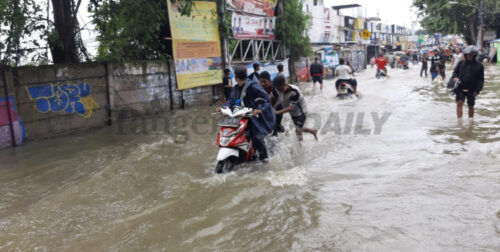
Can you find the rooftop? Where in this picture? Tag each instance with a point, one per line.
(346, 6)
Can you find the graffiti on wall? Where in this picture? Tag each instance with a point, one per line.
(17, 123)
(65, 98)
(155, 88)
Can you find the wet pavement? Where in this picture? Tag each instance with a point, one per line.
(393, 170)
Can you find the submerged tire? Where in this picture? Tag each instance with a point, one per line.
(226, 165)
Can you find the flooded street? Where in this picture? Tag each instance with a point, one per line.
(392, 170)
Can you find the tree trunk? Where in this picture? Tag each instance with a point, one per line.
(222, 32)
(472, 30)
(64, 48)
(291, 70)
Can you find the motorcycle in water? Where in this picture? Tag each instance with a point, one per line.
(380, 74)
(404, 65)
(233, 139)
(344, 90)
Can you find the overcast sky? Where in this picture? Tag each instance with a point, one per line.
(391, 11)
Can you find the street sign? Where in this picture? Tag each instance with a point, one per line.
(366, 34)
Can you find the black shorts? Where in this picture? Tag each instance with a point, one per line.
(471, 99)
(227, 92)
(352, 82)
(299, 121)
(318, 79)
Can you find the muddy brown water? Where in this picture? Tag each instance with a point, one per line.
(421, 181)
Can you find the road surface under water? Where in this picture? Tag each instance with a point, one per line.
(421, 181)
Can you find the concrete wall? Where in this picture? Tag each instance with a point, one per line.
(47, 101)
(148, 87)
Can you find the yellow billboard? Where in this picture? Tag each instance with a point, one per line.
(196, 45)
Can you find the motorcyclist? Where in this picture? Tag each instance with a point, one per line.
(469, 75)
(381, 63)
(249, 93)
(344, 74)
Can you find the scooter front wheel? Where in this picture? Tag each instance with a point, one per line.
(226, 165)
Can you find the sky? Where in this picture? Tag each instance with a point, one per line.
(391, 11)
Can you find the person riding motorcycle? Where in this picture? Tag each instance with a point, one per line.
(381, 63)
(249, 93)
(344, 74)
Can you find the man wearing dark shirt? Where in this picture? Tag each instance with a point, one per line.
(265, 81)
(227, 83)
(249, 93)
(470, 75)
(255, 74)
(316, 72)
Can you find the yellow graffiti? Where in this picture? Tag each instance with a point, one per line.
(90, 105)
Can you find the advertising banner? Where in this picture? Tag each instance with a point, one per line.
(331, 60)
(253, 27)
(256, 7)
(322, 29)
(196, 45)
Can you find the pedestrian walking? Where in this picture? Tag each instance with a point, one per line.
(316, 71)
(227, 83)
(469, 81)
(424, 66)
(457, 57)
(255, 74)
(294, 103)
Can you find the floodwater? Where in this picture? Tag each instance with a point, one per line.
(419, 181)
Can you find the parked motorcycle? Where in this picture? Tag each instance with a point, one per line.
(233, 139)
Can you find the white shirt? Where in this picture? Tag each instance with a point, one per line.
(343, 72)
(457, 57)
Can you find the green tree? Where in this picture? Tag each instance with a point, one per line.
(19, 20)
(439, 16)
(134, 30)
(64, 40)
(185, 6)
(291, 28)
(130, 29)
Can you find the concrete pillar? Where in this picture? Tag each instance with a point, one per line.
(8, 88)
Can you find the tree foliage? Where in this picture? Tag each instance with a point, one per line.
(185, 6)
(19, 21)
(439, 16)
(291, 28)
(130, 29)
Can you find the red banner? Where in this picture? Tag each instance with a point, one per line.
(256, 7)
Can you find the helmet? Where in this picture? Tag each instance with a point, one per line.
(471, 50)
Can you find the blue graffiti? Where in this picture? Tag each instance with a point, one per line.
(58, 98)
